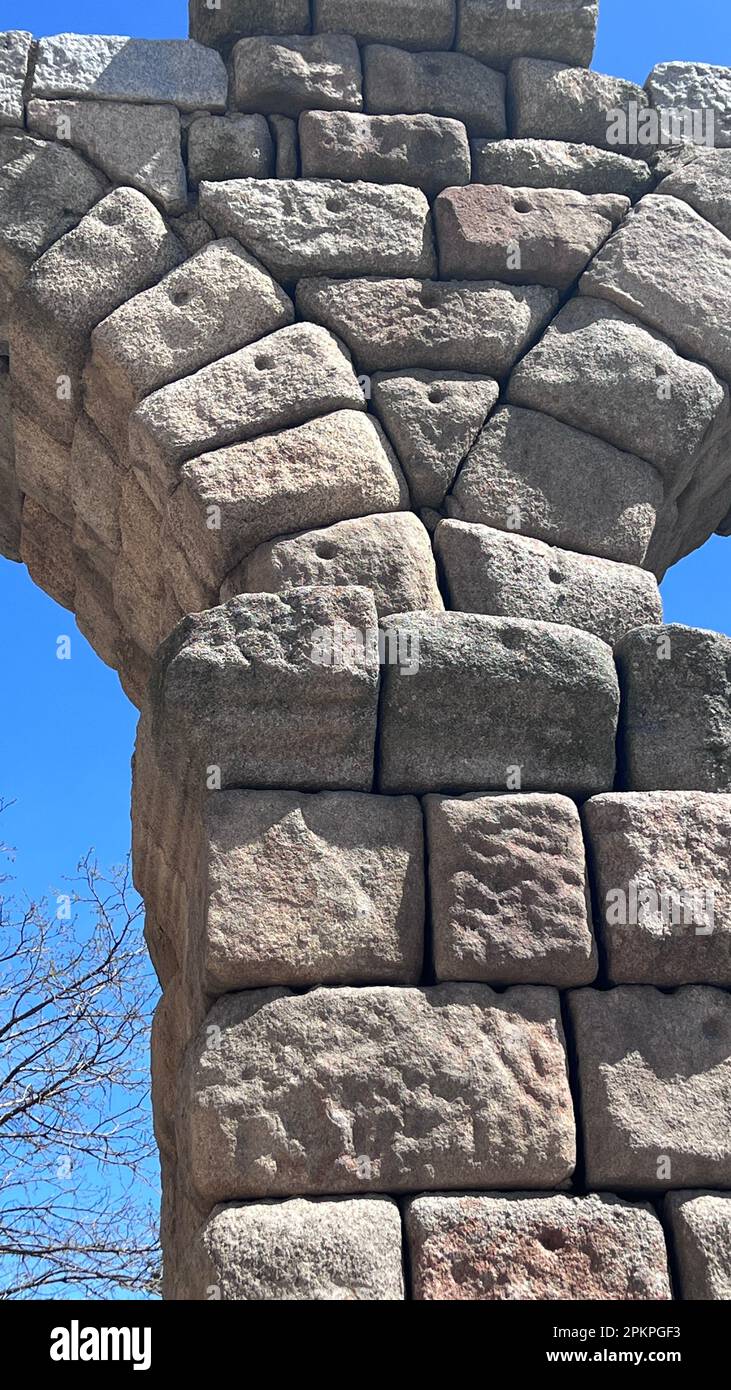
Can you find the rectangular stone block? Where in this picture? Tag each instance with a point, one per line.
(700, 1231)
(15, 50)
(95, 485)
(426, 152)
(230, 147)
(497, 32)
(46, 548)
(42, 464)
(702, 178)
(702, 90)
(446, 84)
(559, 164)
(550, 101)
(177, 72)
(283, 76)
(536, 708)
(414, 24)
(10, 495)
(220, 28)
(377, 1089)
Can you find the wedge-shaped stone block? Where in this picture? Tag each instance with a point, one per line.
(598, 369)
(245, 689)
(283, 76)
(389, 554)
(230, 147)
(672, 270)
(410, 23)
(374, 1089)
(427, 152)
(559, 164)
(702, 178)
(220, 28)
(529, 474)
(510, 576)
(465, 327)
(46, 548)
(432, 419)
(498, 32)
(285, 379)
(509, 892)
(323, 226)
(446, 84)
(95, 484)
(215, 303)
(537, 706)
(655, 1082)
(134, 145)
(555, 102)
(524, 236)
(662, 867)
(306, 890)
(703, 90)
(10, 495)
(299, 1251)
(177, 72)
(700, 1231)
(15, 51)
(535, 1248)
(42, 464)
(675, 732)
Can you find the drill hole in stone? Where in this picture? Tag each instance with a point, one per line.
(437, 395)
(263, 362)
(429, 296)
(555, 576)
(180, 297)
(522, 205)
(325, 550)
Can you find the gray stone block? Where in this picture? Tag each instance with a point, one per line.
(283, 76)
(498, 33)
(446, 84)
(221, 28)
(698, 88)
(549, 101)
(414, 24)
(178, 72)
(700, 1232)
(701, 178)
(559, 164)
(427, 152)
(15, 51)
(230, 147)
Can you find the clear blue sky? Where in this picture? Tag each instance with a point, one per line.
(68, 730)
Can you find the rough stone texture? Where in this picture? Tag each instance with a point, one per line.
(303, 1251)
(535, 1248)
(702, 178)
(698, 87)
(15, 51)
(283, 76)
(432, 419)
(192, 231)
(676, 709)
(533, 696)
(175, 71)
(446, 84)
(510, 576)
(241, 18)
(135, 145)
(498, 33)
(655, 1081)
(284, 134)
(46, 548)
(409, 23)
(700, 1230)
(662, 863)
(324, 227)
(377, 1089)
(559, 164)
(42, 465)
(230, 147)
(554, 102)
(528, 473)
(524, 236)
(509, 892)
(390, 325)
(95, 480)
(427, 152)
(389, 554)
(307, 890)
(598, 369)
(10, 496)
(672, 269)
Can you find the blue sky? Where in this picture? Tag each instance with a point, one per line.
(68, 730)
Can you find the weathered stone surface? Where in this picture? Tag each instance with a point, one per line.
(511, 576)
(432, 419)
(498, 33)
(598, 369)
(308, 890)
(237, 688)
(220, 28)
(348, 1090)
(192, 231)
(135, 145)
(447, 84)
(695, 87)
(230, 147)
(10, 495)
(672, 269)
(389, 554)
(408, 23)
(700, 1230)
(529, 474)
(533, 696)
(323, 226)
(550, 101)
(509, 892)
(535, 1248)
(175, 71)
(284, 134)
(661, 864)
(283, 380)
(702, 178)
(559, 164)
(676, 709)
(283, 76)
(524, 236)
(311, 1251)
(655, 1080)
(15, 51)
(95, 483)
(218, 301)
(427, 152)
(465, 327)
(46, 548)
(42, 464)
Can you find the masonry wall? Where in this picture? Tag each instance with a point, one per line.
(362, 369)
